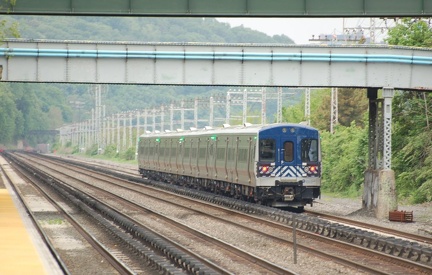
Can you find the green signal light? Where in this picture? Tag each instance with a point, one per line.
(181, 139)
(157, 139)
(213, 137)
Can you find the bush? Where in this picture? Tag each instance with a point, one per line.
(129, 154)
(111, 151)
(93, 150)
(344, 159)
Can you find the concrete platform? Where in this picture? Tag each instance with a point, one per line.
(22, 250)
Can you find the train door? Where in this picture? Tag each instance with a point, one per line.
(299, 157)
(211, 157)
(286, 159)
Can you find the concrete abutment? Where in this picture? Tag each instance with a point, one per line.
(379, 193)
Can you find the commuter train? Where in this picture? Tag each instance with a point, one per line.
(278, 165)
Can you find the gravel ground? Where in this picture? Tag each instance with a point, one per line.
(348, 208)
(351, 208)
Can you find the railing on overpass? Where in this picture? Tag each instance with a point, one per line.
(238, 56)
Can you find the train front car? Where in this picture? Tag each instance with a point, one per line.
(288, 165)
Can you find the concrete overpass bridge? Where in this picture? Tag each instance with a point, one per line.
(216, 64)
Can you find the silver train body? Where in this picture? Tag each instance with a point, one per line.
(277, 165)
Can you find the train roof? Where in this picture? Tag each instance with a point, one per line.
(227, 129)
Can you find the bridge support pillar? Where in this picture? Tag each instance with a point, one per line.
(379, 194)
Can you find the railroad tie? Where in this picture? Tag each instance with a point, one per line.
(363, 236)
(415, 251)
(373, 241)
(320, 228)
(357, 234)
(426, 251)
(398, 247)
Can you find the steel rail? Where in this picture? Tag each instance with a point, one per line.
(99, 247)
(231, 249)
(410, 236)
(343, 245)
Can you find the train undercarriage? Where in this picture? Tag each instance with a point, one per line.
(279, 196)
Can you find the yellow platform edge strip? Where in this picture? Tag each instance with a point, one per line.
(17, 252)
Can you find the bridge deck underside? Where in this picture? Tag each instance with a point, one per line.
(221, 8)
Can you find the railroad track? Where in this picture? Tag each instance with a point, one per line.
(110, 199)
(394, 265)
(384, 230)
(60, 215)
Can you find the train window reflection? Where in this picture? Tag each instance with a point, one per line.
(309, 150)
(288, 151)
(267, 148)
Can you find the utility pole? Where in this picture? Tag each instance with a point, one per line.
(307, 105)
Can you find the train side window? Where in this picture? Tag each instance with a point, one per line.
(242, 157)
(267, 150)
(220, 153)
(202, 153)
(288, 151)
(309, 150)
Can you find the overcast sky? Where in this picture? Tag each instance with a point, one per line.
(299, 29)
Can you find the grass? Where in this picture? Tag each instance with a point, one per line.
(56, 221)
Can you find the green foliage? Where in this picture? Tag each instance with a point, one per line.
(296, 114)
(147, 29)
(111, 151)
(8, 29)
(75, 150)
(411, 141)
(424, 193)
(9, 117)
(344, 158)
(93, 150)
(352, 105)
(411, 32)
(129, 154)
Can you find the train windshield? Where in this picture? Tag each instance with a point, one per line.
(309, 150)
(267, 150)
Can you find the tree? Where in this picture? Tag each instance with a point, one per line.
(411, 32)
(8, 116)
(8, 29)
(412, 136)
(344, 157)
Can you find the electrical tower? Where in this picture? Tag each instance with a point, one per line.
(334, 109)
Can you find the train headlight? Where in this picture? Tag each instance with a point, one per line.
(265, 169)
(311, 169)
